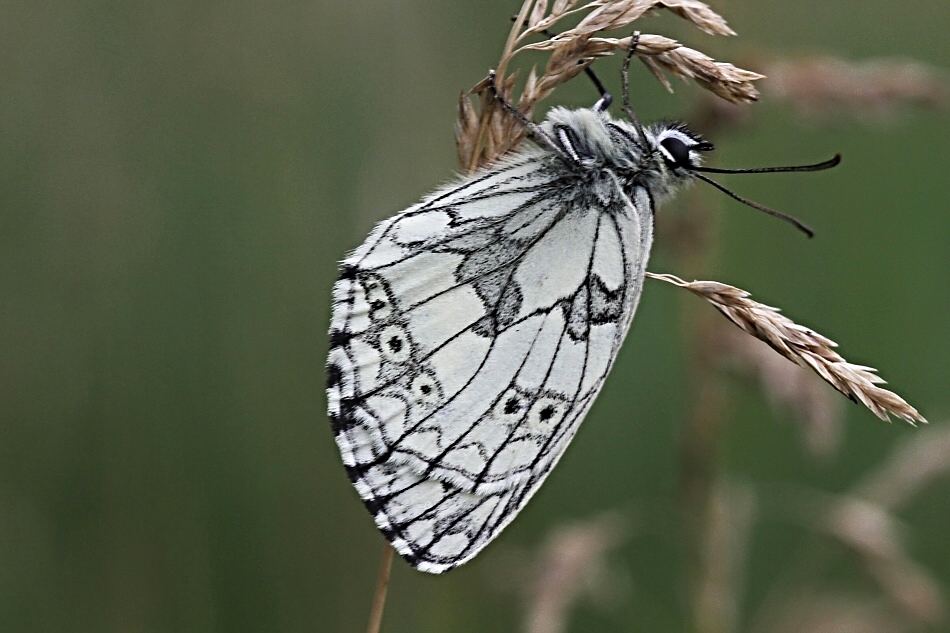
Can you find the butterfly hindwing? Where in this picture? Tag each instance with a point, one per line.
(470, 335)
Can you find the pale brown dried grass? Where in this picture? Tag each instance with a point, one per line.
(813, 611)
(572, 562)
(875, 89)
(802, 346)
(875, 536)
(863, 520)
(921, 461)
(724, 551)
(485, 133)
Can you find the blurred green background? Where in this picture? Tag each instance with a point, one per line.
(177, 181)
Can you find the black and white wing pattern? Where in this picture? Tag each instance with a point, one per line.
(470, 335)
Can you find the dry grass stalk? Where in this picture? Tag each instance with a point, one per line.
(863, 521)
(811, 611)
(875, 536)
(485, 134)
(725, 547)
(874, 89)
(382, 585)
(572, 559)
(917, 463)
(801, 346)
(657, 53)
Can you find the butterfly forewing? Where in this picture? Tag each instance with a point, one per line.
(470, 335)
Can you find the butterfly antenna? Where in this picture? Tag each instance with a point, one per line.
(827, 164)
(625, 80)
(801, 226)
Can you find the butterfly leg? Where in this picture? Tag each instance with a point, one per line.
(605, 97)
(533, 127)
(625, 79)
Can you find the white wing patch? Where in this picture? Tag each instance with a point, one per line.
(470, 335)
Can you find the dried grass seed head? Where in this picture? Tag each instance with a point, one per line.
(802, 346)
(484, 136)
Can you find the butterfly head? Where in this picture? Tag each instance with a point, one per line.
(681, 152)
(680, 148)
(674, 153)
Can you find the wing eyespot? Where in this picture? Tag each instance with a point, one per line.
(425, 390)
(394, 344)
(377, 297)
(546, 412)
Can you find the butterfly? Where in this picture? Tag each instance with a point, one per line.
(471, 333)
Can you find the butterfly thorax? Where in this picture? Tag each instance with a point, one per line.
(593, 142)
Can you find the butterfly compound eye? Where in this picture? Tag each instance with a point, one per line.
(678, 152)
